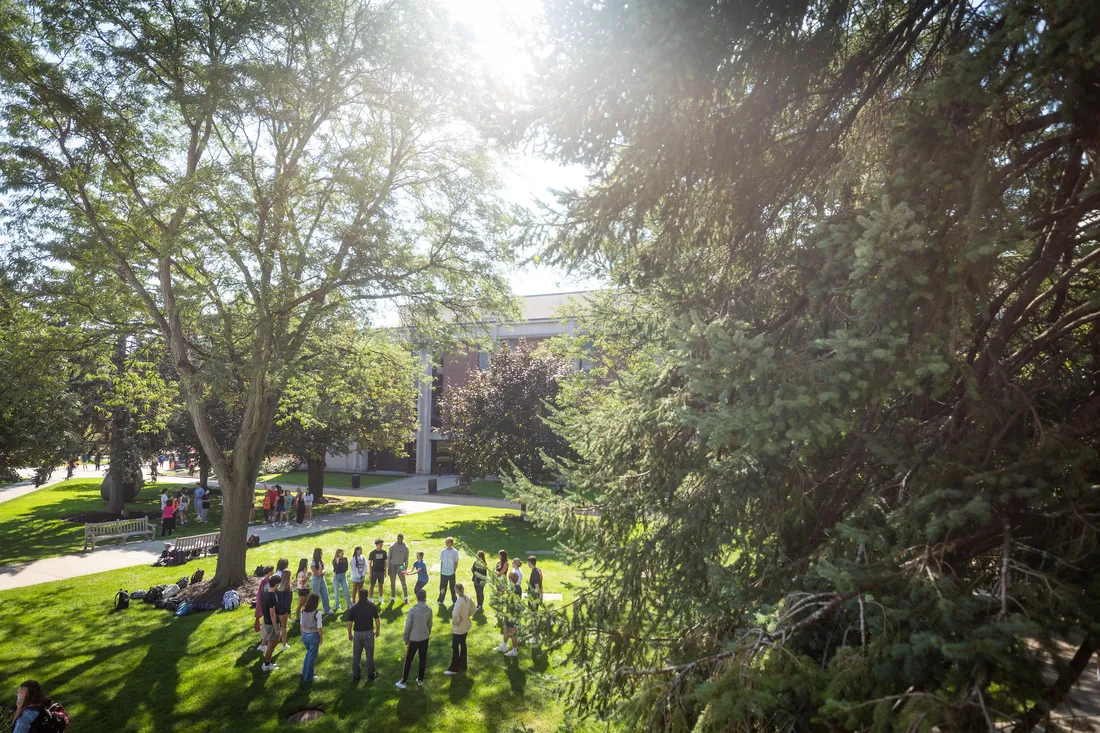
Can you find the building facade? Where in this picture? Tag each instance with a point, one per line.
(427, 452)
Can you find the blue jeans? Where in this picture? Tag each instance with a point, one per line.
(312, 642)
(340, 580)
(318, 587)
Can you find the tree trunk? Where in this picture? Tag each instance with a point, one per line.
(123, 480)
(204, 470)
(230, 571)
(315, 467)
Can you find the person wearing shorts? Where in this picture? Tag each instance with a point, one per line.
(272, 630)
(303, 585)
(378, 559)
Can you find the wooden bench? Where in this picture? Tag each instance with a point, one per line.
(122, 529)
(200, 542)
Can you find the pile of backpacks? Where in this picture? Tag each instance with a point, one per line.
(163, 597)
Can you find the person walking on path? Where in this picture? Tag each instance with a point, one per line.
(358, 573)
(299, 508)
(364, 626)
(480, 578)
(418, 628)
(421, 569)
(312, 636)
(377, 560)
(460, 627)
(271, 633)
(303, 585)
(340, 578)
(448, 566)
(318, 586)
(29, 700)
(399, 559)
(309, 505)
(267, 507)
(280, 508)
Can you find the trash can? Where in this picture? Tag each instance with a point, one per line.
(355, 481)
(432, 485)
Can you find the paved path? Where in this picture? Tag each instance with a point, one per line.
(144, 553)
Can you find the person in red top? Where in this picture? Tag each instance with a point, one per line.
(168, 518)
(270, 500)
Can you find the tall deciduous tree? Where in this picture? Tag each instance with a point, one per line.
(354, 387)
(497, 420)
(243, 167)
(857, 487)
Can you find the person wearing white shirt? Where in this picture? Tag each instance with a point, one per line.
(448, 566)
(200, 505)
(163, 499)
(517, 568)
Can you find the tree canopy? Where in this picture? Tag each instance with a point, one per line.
(856, 487)
(245, 169)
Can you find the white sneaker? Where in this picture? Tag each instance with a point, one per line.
(501, 648)
(269, 667)
(419, 683)
(285, 647)
(401, 685)
(513, 653)
(449, 673)
(478, 608)
(261, 649)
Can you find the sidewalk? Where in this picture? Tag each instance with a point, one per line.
(144, 553)
(414, 488)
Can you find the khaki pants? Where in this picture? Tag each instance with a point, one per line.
(396, 575)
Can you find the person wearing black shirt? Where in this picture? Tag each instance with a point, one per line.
(364, 626)
(377, 560)
(272, 630)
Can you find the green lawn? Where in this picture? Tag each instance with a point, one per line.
(332, 480)
(483, 487)
(33, 527)
(143, 670)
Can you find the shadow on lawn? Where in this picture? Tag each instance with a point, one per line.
(484, 534)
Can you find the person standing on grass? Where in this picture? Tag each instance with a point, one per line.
(163, 498)
(299, 508)
(271, 630)
(364, 626)
(421, 569)
(200, 505)
(312, 636)
(185, 502)
(318, 585)
(399, 559)
(512, 601)
(340, 578)
(534, 582)
(309, 505)
(418, 628)
(377, 560)
(167, 523)
(460, 627)
(258, 613)
(358, 573)
(517, 568)
(29, 700)
(502, 567)
(448, 566)
(480, 578)
(285, 596)
(303, 585)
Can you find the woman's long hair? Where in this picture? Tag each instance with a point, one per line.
(317, 556)
(303, 565)
(34, 696)
(311, 603)
(336, 555)
(357, 551)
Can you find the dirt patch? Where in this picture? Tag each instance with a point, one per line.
(86, 517)
(203, 592)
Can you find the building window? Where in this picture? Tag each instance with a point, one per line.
(483, 360)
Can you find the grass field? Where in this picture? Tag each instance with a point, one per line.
(332, 480)
(33, 527)
(143, 670)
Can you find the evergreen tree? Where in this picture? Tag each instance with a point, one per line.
(856, 487)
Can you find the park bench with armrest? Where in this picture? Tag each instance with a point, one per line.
(202, 543)
(121, 529)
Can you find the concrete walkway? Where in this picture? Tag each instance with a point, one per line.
(414, 488)
(145, 553)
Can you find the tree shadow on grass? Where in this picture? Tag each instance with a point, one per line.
(517, 678)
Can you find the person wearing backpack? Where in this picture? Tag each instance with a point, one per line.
(29, 701)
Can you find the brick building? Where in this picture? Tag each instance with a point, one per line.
(427, 452)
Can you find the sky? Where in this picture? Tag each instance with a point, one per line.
(499, 30)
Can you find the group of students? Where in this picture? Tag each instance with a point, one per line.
(278, 586)
(279, 504)
(173, 509)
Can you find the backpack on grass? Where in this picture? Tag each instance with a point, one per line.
(258, 572)
(197, 576)
(52, 718)
(137, 595)
(230, 600)
(154, 594)
(185, 608)
(182, 582)
(169, 591)
(122, 600)
(253, 541)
